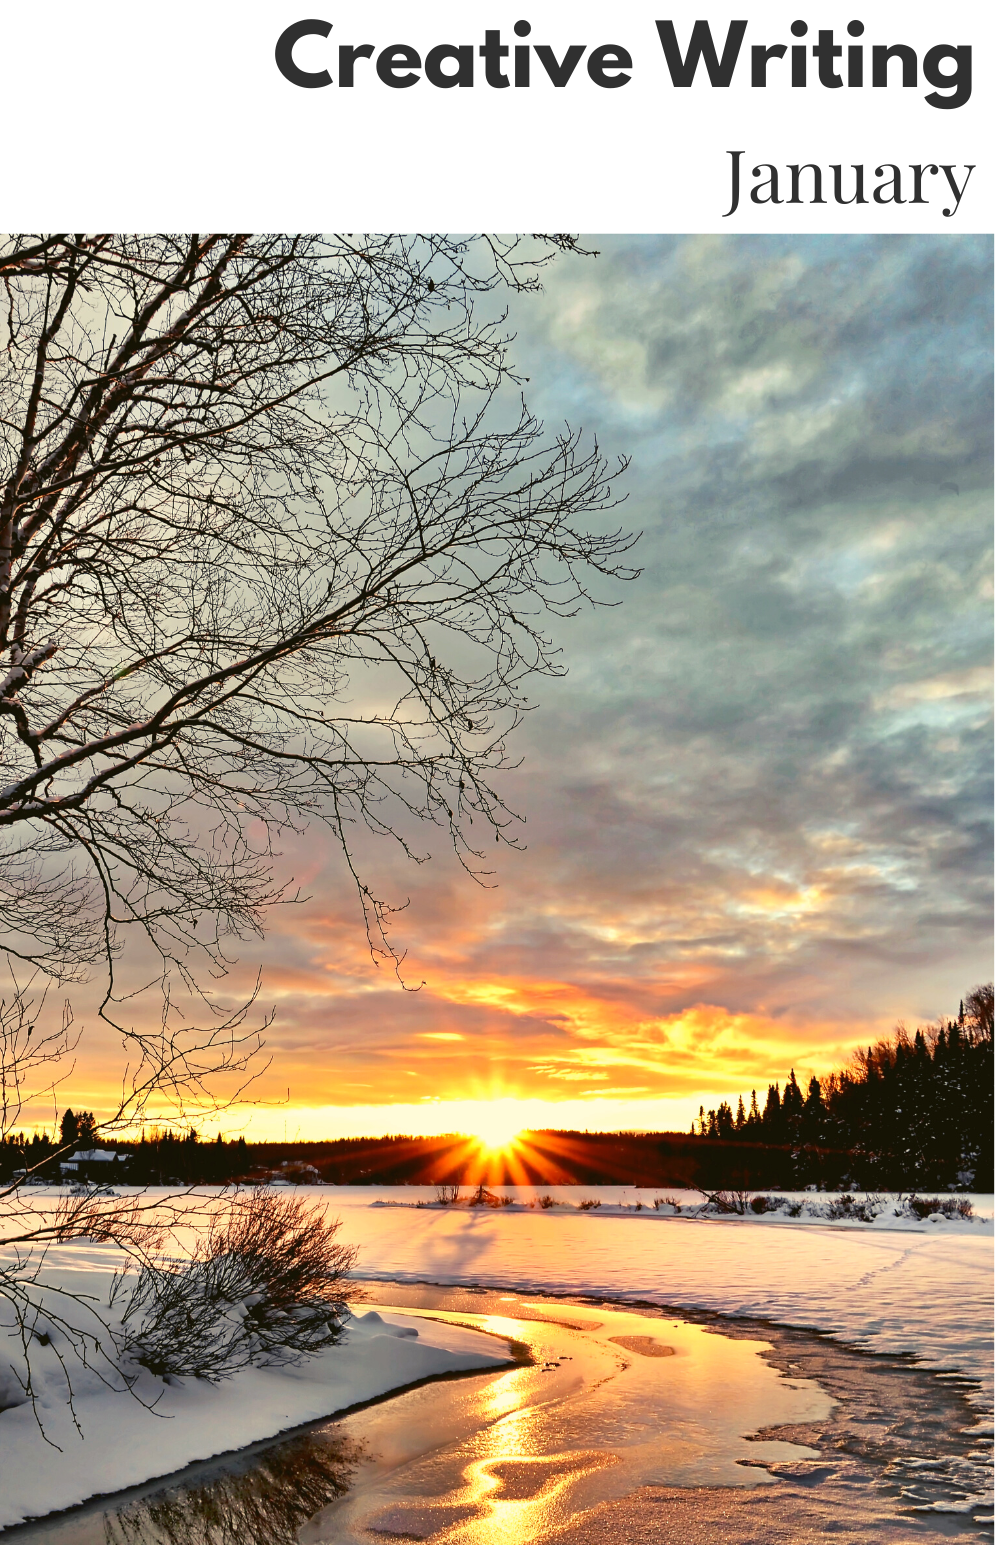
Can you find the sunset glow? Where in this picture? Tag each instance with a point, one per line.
(753, 826)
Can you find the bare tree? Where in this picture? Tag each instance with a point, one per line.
(276, 543)
(279, 541)
(978, 1009)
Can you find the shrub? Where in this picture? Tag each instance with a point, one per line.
(589, 1204)
(847, 1207)
(545, 1202)
(948, 1206)
(728, 1202)
(762, 1204)
(265, 1286)
(484, 1198)
(666, 1201)
(447, 1194)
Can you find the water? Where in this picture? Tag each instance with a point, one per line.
(624, 1425)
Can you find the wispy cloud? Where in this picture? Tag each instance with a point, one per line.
(758, 805)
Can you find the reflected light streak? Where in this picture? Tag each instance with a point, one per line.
(518, 1493)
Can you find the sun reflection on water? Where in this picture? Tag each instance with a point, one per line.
(516, 1498)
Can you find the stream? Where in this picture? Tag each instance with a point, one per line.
(611, 1424)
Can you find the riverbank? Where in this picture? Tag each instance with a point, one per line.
(920, 1293)
(56, 1455)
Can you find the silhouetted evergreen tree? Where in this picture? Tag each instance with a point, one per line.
(78, 1129)
(772, 1126)
(813, 1114)
(909, 1111)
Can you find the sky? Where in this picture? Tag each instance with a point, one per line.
(757, 807)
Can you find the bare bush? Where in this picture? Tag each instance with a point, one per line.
(848, 1208)
(482, 1197)
(926, 1206)
(733, 1201)
(265, 1286)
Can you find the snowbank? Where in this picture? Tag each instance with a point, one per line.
(123, 1439)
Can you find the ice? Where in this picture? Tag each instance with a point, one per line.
(900, 1288)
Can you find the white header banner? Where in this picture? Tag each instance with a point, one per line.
(629, 117)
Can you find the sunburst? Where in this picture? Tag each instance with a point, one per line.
(497, 1130)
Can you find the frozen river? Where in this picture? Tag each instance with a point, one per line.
(921, 1290)
(613, 1425)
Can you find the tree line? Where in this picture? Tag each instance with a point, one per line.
(908, 1111)
(158, 1158)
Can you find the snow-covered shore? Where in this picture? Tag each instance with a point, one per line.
(124, 1439)
(951, 1213)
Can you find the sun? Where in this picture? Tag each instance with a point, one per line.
(496, 1130)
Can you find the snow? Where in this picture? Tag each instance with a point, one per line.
(123, 1439)
(895, 1285)
(884, 1210)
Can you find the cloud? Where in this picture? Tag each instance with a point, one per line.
(757, 807)
(793, 701)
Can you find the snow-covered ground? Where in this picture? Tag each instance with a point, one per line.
(112, 1439)
(897, 1284)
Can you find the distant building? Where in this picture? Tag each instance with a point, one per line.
(99, 1164)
